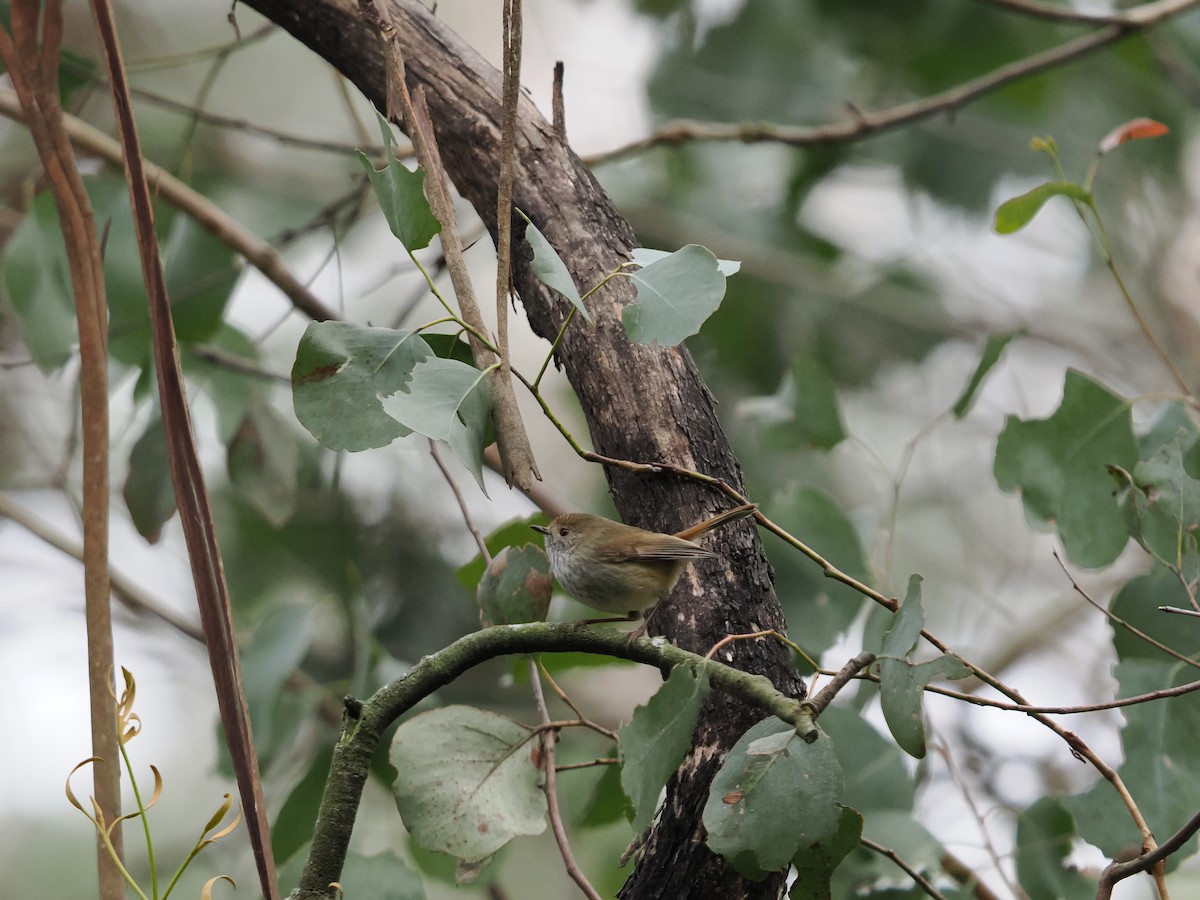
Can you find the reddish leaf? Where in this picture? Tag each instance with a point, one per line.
(1133, 130)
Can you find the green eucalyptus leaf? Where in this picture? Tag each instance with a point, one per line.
(263, 461)
(516, 532)
(906, 623)
(149, 493)
(401, 194)
(1161, 504)
(827, 608)
(448, 401)
(1045, 832)
(644, 256)
(1015, 214)
(341, 371)
(816, 419)
(656, 739)
(877, 774)
(987, 361)
(467, 781)
(516, 587)
(383, 876)
(293, 827)
(773, 796)
(674, 296)
(37, 283)
(902, 694)
(1059, 466)
(815, 864)
(549, 267)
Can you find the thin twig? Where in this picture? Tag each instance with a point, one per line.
(549, 737)
(462, 503)
(1117, 620)
(1160, 694)
(590, 764)
(980, 819)
(504, 183)
(865, 125)
(208, 215)
(1053, 13)
(910, 870)
(840, 679)
(563, 696)
(1121, 870)
(755, 635)
(557, 106)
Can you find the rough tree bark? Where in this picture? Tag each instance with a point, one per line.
(646, 404)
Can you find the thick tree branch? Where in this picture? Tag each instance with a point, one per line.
(641, 402)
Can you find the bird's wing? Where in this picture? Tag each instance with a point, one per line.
(675, 548)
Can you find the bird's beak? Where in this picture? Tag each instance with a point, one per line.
(542, 528)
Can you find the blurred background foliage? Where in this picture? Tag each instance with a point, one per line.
(870, 284)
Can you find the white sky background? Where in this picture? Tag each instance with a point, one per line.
(608, 52)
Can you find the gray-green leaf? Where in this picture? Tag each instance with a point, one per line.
(1059, 466)
(644, 256)
(549, 267)
(675, 296)
(656, 738)
(448, 401)
(341, 370)
(1016, 213)
(516, 587)
(991, 355)
(401, 195)
(773, 796)
(467, 781)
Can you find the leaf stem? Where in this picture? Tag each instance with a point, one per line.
(141, 814)
(567, 321)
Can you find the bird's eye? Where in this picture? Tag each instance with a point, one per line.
(563, 531)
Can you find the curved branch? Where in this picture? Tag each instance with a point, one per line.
(366, 721)
(864, 125)
(1120, 871)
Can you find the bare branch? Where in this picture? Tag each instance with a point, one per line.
(1117, 620)
(912, 873)
(548, 738)
(864, 125)
(1119, 871)
(207, 214)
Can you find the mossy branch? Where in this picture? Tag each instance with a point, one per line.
(365, 721)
